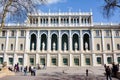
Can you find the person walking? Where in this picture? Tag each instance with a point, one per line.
(108, 73)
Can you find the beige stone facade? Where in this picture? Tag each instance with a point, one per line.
(60, 39)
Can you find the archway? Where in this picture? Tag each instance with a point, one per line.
(86, 41)
(64, 42)
(75, 40)
(33, 42)
(54, 40)
(43, 40)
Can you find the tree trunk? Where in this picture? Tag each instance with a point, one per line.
(5, 13)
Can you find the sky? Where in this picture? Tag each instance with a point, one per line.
(84, 6)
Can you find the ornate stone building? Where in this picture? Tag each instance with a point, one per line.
(60, 39)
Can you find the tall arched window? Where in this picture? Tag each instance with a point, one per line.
(108, 46)
(21, 46)
(11, 46)
(2, 47)
(98, 47)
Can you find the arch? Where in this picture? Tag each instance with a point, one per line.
(77, 33)
(108, 46)
(43, 33)
(54, 33)
(54, 39)
(33, 33)
(75, 39)
(98, 46)
(33, 42)
(43, 40)
(64, 40)
(86, 41)
(65, 34)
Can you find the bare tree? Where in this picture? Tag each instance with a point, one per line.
(110, 6)
(17, 8)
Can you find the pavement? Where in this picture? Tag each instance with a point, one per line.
(63, 73)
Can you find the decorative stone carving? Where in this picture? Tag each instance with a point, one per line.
(54, 45)
(43, 46)
(76, 46)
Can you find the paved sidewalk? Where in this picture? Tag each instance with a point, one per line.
(63, 73)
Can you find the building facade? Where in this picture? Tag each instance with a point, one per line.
(60, 39)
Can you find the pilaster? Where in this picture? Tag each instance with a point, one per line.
(59, 40)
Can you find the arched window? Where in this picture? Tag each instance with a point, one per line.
(2, 47)
(21, 46)
(98, 47)
(108, 46)
(118, 47)
(11, 46)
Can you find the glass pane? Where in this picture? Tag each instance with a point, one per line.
(32, 61)
(42, 61)
(87, 61)
(11, 61)
(118, 59)
(76, 61)
(99, 60)
(54, 61)
(1, 60)
(65, 61)
(20, 60)
(109, 60)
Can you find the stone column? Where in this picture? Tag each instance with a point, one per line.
(92, 45)
(37, 58)
(70, 41)
(16, 43)
(26, 60)
(6, 47)
(115, 58)
(27, 44)
(48, 60)
(113, 41)
(15, 59)
(103, 46)
(81, 41)
(93, 59)
(49, 42)
(82, 59)
(104, 58)
(38, 42)
(59, 60)
(59, 40)
(71, 61)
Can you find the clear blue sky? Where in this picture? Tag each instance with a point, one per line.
(84, 6)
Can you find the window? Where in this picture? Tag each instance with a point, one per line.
(54, 62)
(99, 60)
(11, 46)
(2, 47)
(117, 33)
(65, 61)
(97, 33)
(118, 59)
(21, 46)
(10, 61)
(42, 61)
(20, 60)
(107, 32)
(109, 60)
(1, 60)
(3, 33)
(22, 33)
(31, 61)
(12, 33)
(108, 46)
(118, 47)
(87, 61)
(98, 47)
(76, 61)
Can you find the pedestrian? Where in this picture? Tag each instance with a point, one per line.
(86, 72)
(108, 73)
(25, 71)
